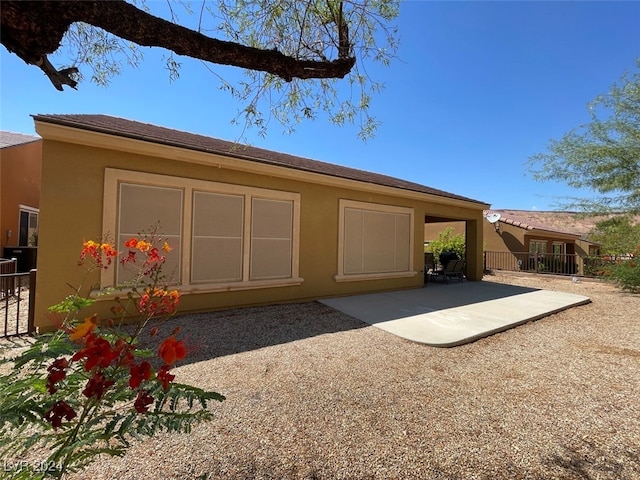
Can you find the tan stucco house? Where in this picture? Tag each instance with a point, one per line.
(249, 226)
(514, 237)
(545, 232)
(20, 168)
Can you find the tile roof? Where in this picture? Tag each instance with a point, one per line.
(153, 133)
(571, 223)
(11, 139)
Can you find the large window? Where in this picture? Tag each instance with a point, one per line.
(224, 236)
(376, 241)
(538, 246)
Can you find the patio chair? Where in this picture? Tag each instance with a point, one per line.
(429, 265)
(443, 274)
(455, 269)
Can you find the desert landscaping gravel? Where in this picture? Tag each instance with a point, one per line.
(315, 394)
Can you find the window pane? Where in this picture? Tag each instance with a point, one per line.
(379, 242)
(271, 238)
(143, 207)
(403, 242)
(216, 259)
(353, 227)
(217, 240)
(23, 234)
(537, 247)
(376, 241)
(270, 258)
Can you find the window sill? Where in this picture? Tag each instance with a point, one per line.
(234, 286)
(373, 276)
(210, 287)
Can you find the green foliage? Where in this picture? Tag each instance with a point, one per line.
(617, 235)
(308, 30)
(602, 155)
(300, 29)
(626, 272)
(447, 241)
(87, 388)
(103, 53)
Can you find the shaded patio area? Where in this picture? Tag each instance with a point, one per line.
(447, 315)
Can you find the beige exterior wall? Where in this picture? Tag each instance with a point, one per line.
(19, 185)
(432, 229)
(73, 178)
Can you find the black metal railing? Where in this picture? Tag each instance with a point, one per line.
(17, 299)
(553, 263)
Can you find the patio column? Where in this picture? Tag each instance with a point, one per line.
(473, 235)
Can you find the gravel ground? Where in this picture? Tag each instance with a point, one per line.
(14, 313)
(315, 394)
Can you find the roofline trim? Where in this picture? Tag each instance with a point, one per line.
(128, 143)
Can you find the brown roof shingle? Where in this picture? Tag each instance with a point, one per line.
(11, 139)
(166, 136)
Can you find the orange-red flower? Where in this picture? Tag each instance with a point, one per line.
(164, 377)
(97, 351)
(166, 247)
(158, 301)
(131, 243)
(96, 251)
(96, 386)
(139, 373)
(143, 246)
(84, 328)
(172, 350)
(108, 250)
(59, 411)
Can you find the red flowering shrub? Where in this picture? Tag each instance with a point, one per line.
(95, 381)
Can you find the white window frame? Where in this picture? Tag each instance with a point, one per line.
(32, 212)
(344, 205)
(114, 177)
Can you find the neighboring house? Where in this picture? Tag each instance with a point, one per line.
(528, 240)
(569, 228)
(249, 226)
(20, 170)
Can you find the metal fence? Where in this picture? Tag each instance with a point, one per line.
(17, 298)
(553, 263)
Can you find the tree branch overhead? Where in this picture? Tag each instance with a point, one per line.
(34, 29)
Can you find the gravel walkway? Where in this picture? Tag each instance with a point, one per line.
(314, 394)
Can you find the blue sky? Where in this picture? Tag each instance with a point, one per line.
(478, 88)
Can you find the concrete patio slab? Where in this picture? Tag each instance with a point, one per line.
(446, 315)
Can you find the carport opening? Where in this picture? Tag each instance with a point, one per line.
(443, 236)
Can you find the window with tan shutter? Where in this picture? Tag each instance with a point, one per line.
(224, 236)
(375, 241)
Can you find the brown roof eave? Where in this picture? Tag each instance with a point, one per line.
(161, 135)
